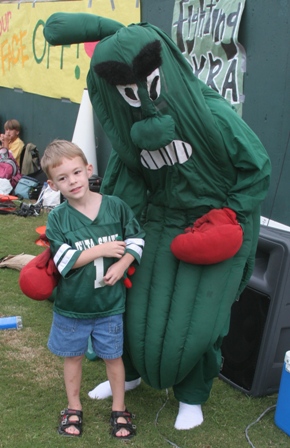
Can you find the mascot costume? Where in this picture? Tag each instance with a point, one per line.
(195, 176)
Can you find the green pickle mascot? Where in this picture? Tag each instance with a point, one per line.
(195, 175)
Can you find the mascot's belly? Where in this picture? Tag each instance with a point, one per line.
(175, 310)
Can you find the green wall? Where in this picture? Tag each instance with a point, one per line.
(44, 119)
(158, 12)
(264, 33)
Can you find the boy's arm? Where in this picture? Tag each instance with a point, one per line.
(134, 240)
(4, 141)
(112, 249)
(117, 270)
(67, 258)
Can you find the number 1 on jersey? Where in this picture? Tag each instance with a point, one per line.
(99, 265)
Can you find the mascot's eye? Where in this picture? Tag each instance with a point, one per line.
(130, 94)
(153, 85)
(130, 91)
(153, 89)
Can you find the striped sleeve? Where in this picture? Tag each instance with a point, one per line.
(64, 255)
(134, 235)
(135, 247)
(64, 258)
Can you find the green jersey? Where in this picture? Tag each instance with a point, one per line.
(81, 292)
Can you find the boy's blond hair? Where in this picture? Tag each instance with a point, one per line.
(56, 151)
(12, 125)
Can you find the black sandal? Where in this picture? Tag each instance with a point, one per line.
(65, 422)
(128, 425)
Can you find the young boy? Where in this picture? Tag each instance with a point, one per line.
(11, 140)
(90, 299)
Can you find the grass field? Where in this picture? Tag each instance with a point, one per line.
(32, 391)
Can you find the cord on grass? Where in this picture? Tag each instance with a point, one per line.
(156, 422)
(256, 421)
(246, 431)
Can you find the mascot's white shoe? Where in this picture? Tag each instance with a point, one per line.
(104, 390)
(189, 416)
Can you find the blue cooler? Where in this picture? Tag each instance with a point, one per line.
(282, 414)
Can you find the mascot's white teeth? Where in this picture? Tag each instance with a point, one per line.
(176, 152)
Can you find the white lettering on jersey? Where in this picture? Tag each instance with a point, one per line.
(106, 239)
(85, 244)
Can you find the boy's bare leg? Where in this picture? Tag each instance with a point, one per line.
(72, 380)
(103, 390)
(116, 376)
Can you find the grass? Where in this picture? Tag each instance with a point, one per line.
(32, 391)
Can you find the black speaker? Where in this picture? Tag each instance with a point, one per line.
(259, 335)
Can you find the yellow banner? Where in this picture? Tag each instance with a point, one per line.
(27, 62)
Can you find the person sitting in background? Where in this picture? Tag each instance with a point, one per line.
(11, 140)
(9, 169)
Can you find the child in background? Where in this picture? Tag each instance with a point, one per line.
(10, 139)
(90, 298)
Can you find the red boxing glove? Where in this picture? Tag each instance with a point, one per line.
(42, 259)
(130, 271)
(214, 237)
(39, 277)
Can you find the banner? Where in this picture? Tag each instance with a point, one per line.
(207, 33)
(29, 63)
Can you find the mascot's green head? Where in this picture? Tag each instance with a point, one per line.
(141, 87)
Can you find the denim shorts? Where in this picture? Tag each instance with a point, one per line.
(69, 336)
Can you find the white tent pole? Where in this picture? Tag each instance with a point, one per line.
(84, 133)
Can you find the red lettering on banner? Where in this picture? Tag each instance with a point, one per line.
(4, 22)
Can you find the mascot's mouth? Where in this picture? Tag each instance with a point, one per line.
(176, 152)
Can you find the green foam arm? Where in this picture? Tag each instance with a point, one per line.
(72, 28)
